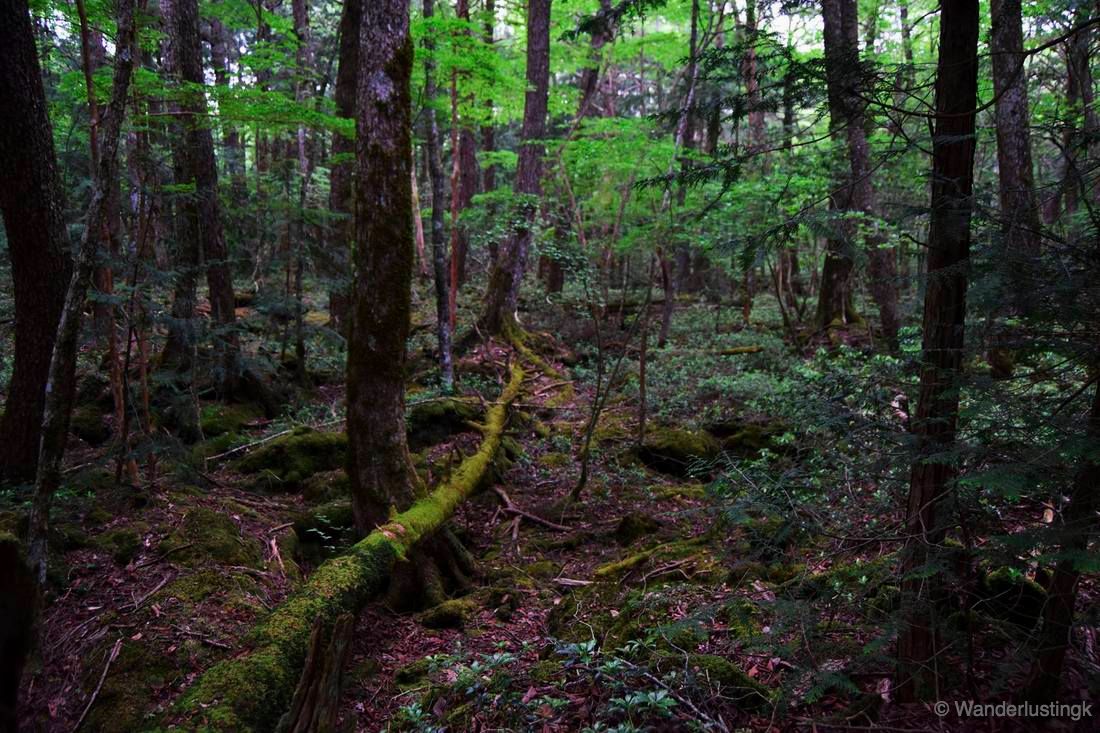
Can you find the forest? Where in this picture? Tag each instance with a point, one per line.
(549, 365)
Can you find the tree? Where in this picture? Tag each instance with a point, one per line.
(343, 149)
(380, 468)
(841, 21)
(937, 414)
(502, 294)
(444, 285)
(62, 371)
(32, 205)
(202, 238)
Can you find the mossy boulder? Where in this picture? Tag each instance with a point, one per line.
(219, 419)
(634, 526)
(285, 462)
(327, 486)
(747, 438)
(676, 451)
(554, 460)
(125, 700)
(88, 424)
(122, 543)
(543, 569)
(723, 677)
(1009, 595)
(450, 614)
(209, 537)
(413, 674)
(433, 421)
(325, 531)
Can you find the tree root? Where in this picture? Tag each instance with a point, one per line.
(250, 691)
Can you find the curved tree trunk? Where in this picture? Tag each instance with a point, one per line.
(32, 204)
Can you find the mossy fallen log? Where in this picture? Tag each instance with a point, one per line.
(250, 691)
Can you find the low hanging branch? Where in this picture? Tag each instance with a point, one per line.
(250, 691)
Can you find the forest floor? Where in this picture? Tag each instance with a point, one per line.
(660, 601)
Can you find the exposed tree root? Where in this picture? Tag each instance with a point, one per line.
(250, 691)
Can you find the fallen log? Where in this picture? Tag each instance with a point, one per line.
(252, 690)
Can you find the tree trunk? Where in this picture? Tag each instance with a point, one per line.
(502, 295)
(32, 204)
(195, 163)
(380, 468)
(62, 370)
(944, 325)
(1045, 679)
(488, 136)
(464, 182)
(439, 244)
(842, 55)
(338, 255)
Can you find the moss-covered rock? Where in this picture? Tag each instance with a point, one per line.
(88, 424)
(554, 460)
(125, 700)
(285, 462)
(635, 526)
(327, 486)
(433, 421)
(543, 569)
(723, 677)
(1010, 595)
(122, 543)
(450, 614)
(219, 419)
(325, 531)
(675, 451)
(206, 536)
(412, 674)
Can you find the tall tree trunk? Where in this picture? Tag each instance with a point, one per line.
(488, 135)
(842, 51)
(1079, 524)
(944, 326)
(203, 236)
(380, 468)
(32, 204)
(465, 174)
(439, 243)
(62, 369)
(502, 295)
(338, 255)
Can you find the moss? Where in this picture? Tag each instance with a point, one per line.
(325, 531)
(87, 423)
(634, 526)
(680, 491)
(545, 670)
(669, 551)
(865, 576)
(724, 677)
(326, 487)
(554, 460)
(123, 543)
(450, 614)
(206, 536)
(129, 689)
(1009, 595)
(219, 419)
(433, 421)
(675, 451)
(543, 569)
(285, 462)
(236, 588)
(742, 617)
(413, 674)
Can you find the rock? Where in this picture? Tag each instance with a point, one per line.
(285, 462)
(206, 536)
(433, 421)
(219, 419)
(675, 451)
(1010, 595)
(450, 614)
(633, 526)
(87, 423)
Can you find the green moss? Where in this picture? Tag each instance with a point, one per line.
(413, 674)
(206, 536)
(675, 451)
(285, 462)
(634, 526)
(543, 569)
(742, 617)
(545, 670)
(724, 677)
(326, 487)
(87, 423)
(325, 531)
(450, 614)
(122, 543)
(680, 491)
(554, 460)
(433, 421)
(1009, 595)
(219, 419)
(124, 701)
(668, 551)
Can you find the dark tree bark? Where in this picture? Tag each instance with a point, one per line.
(464, 177)
(338, 253)
(379, 467)
(443, 281)
(842, 55)
(488, 134)
(223, 51)
(203, 238)
(62, 369)
(1019, 211)
(502, 295)
(32, 204)
(1045, 679)
(944, 329)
